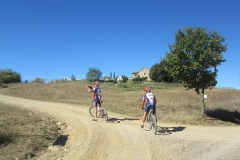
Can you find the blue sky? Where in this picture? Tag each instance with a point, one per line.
(53, 39)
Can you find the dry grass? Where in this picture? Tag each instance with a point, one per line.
(175, 104)
(23, 135)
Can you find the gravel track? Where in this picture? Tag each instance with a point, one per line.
(122, 138)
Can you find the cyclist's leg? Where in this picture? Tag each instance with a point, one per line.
(100, 105)
(144, 115)
(95, 105)
(100, 110)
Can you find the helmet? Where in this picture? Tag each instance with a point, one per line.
(147, 89)
(97, 83)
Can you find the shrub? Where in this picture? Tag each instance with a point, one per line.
(5, 138)
(38, 80)
(140, 79)
(9, 76)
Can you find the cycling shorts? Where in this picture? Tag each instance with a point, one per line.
(96, 102)
(148, 106)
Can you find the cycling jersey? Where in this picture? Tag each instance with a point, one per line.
(97, 94)
(150, 101)
(149, 98)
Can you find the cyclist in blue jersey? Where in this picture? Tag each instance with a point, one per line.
(150, 100)
(96, 97)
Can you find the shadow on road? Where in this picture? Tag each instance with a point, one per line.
(224, 115)
(118, 120)
(169, 130)
(61, 141)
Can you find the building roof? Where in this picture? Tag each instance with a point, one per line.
(134, 72)
(139, 71)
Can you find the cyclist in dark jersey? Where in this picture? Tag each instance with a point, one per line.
(150, 100)
(96, 97)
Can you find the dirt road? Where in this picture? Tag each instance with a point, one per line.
(122, 138)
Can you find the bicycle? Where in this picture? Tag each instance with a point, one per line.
(151, 122)
(100, 113)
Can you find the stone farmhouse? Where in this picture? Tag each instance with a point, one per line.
(142, 73)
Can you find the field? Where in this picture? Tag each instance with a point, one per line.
(24, 135)
(174, 103)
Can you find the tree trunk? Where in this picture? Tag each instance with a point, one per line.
(201, 101)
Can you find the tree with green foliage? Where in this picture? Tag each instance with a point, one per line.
(125, 78)
(213, 83)
(93, 74)
(154, 72)
(159, 74)
(38, 80)
(73, 77)
(194, 57)
(9, 76)
(106, 78)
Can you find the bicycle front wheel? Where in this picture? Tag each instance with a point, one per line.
(92, 112)
(104, 115)
(148, 121)
(154, 124)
